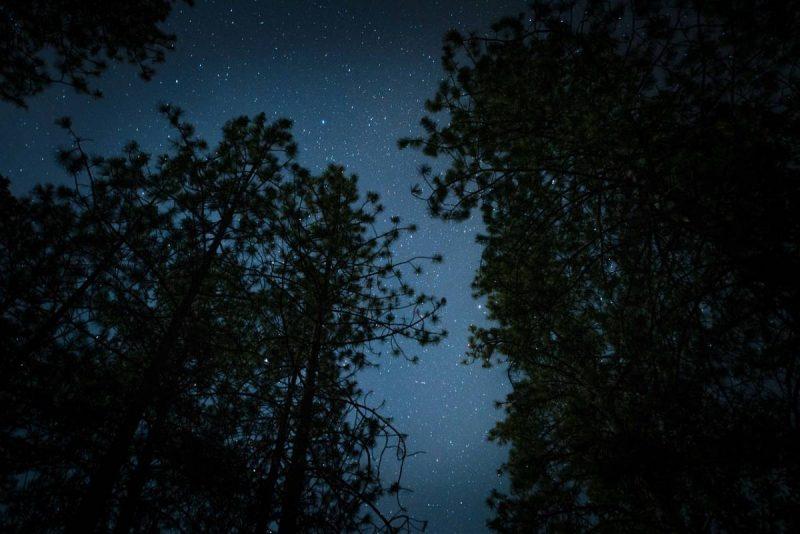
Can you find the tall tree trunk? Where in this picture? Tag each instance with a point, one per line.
(92, 510)
(296, 475)
(128, 508)
(130, 505)
(261, 511)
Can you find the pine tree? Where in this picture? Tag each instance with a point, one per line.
(46, 42)
(353, 298)
(184, 338)
(214, 194)
(133, 324)
(635, 164)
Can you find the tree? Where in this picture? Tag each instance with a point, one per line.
(209, 197)
(635, 164)
(135, 319)
(352, 298)
(43, 42)
(183, 339)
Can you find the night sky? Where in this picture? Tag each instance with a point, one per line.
(353, 76)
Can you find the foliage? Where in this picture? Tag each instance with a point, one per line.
(636, 165)
(183, 336)
(43, 42)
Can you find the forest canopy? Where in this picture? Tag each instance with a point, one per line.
(184, 331)
(636, 167)
(182, 338)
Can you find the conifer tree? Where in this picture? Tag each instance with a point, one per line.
(635, 164)
(129, 316)
(354, 298)
(184, 337)
(46, 42)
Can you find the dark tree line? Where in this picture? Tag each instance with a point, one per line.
(636, 167)
(181, 335)
(181, 340)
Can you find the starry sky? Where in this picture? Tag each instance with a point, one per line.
(353, 76)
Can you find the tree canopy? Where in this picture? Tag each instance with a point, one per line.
(45, 42)
(183, 336)
(636, 167)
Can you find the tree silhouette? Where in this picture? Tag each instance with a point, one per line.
(348, 296)
(43, 42)
(635, 164)
(183, 338)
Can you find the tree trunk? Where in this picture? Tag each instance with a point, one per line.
(295, 477)
(128, 508)
(261, 511)
(92, 510)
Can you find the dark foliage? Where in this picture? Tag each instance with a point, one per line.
(636, 165)
(181, 339)
(43, 42)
